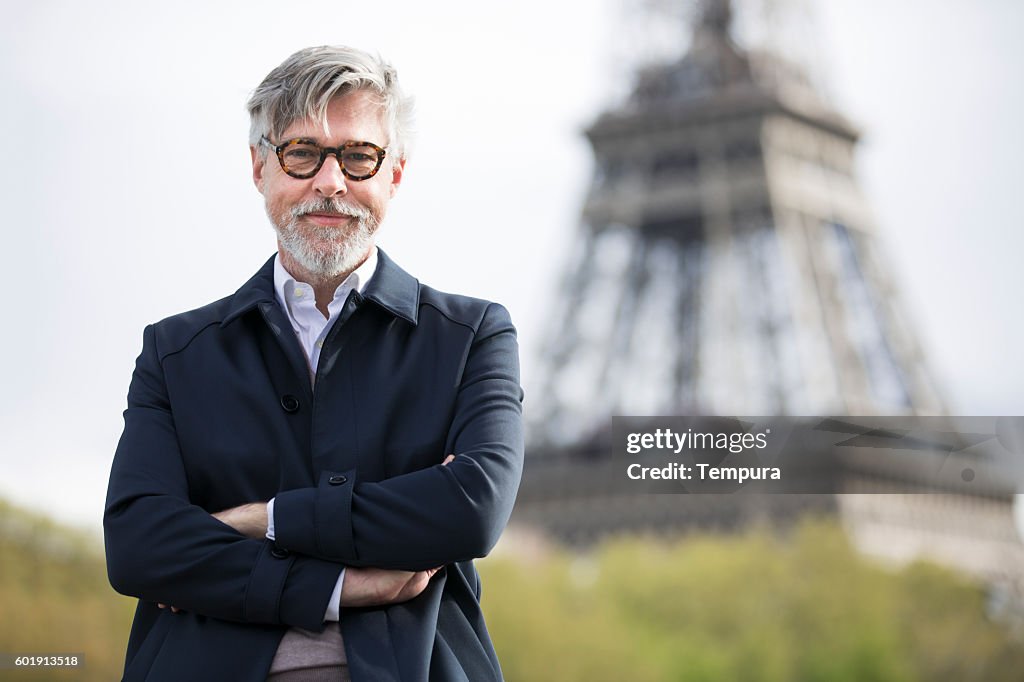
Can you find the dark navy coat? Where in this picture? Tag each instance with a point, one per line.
(221, 412)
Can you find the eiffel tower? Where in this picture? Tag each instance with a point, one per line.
(726, 263)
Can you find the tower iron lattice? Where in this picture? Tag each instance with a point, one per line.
(726, 259)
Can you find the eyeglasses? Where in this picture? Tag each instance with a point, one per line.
(302, 158)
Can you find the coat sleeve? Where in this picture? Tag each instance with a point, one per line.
(438, 515)
(161, 548)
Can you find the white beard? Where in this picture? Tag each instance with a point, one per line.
(334, 250)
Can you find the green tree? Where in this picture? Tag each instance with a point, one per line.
(764, 605)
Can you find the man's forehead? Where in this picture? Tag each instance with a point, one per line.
(347, 116)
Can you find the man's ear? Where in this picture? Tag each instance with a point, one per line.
(258, 162)
(397, 169)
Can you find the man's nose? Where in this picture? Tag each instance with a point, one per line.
(329, 181)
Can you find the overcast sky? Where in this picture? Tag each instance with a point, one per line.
(128, 191)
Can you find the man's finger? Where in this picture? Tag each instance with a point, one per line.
(449, 458)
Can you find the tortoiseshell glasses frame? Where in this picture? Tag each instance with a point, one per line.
(362, 170)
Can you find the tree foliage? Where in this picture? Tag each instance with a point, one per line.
(761, 606)
(56, 600)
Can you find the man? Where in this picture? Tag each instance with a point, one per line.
(309, 466)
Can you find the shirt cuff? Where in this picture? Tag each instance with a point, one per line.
(270, 522)
(334, 606)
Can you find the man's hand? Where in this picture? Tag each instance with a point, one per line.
(248, 519)
(380, 586)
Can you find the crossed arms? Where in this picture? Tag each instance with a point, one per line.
(162, 548)
(364, 586)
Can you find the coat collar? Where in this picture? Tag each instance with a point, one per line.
(391, 287)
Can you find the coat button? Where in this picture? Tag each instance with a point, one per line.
(280, 553)
(337, 480)
(290, 403)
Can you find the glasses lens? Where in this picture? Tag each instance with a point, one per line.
(360, 161)
(301, 157)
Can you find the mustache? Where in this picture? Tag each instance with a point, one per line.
(334, 206)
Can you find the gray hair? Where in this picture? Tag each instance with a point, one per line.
(305, 83)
